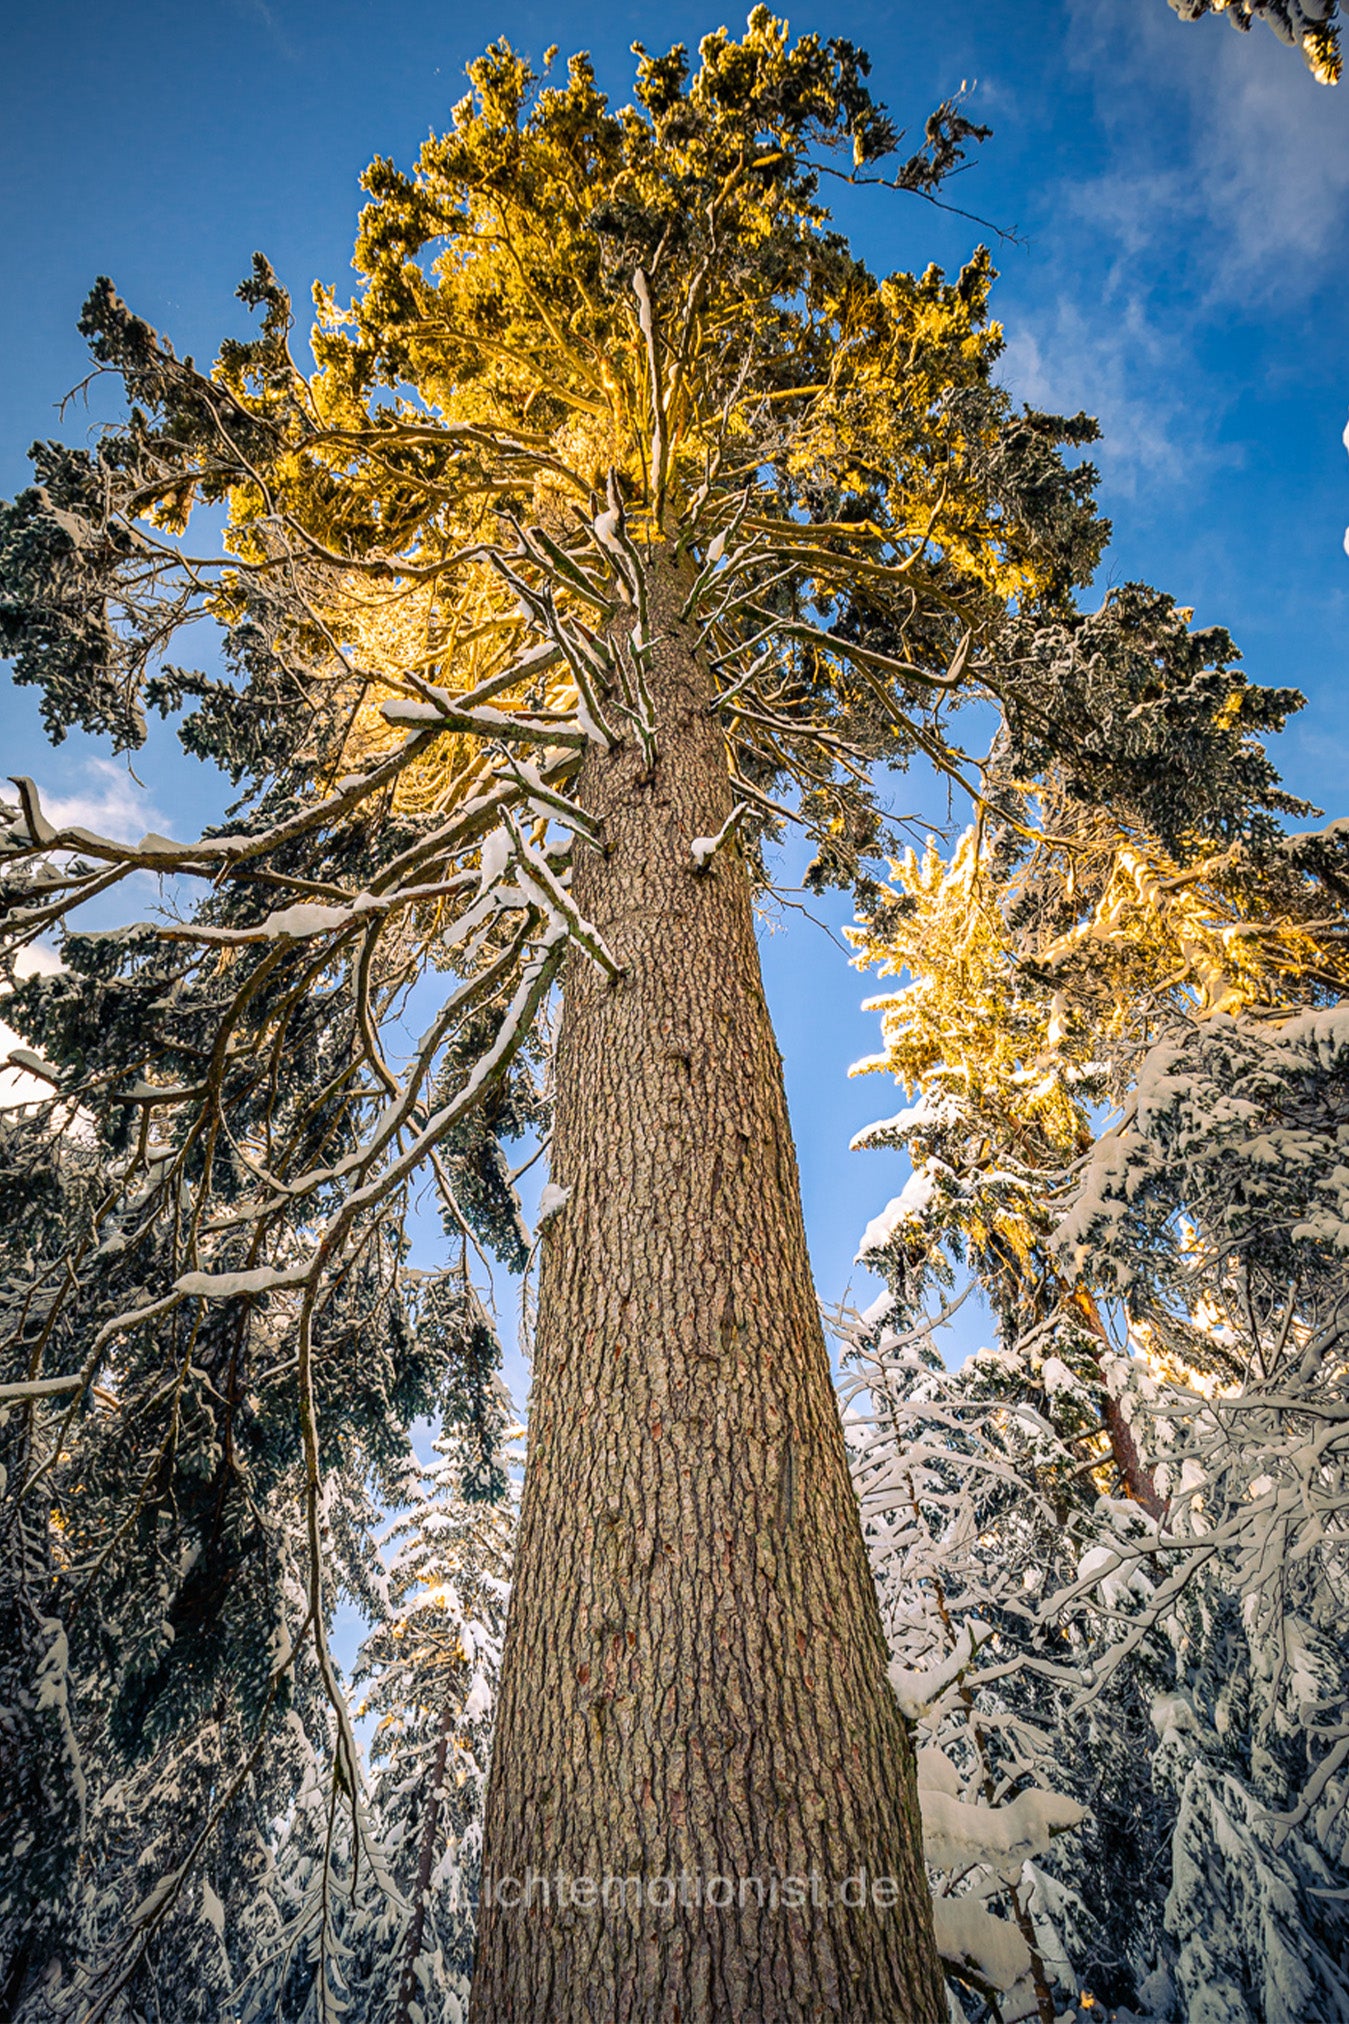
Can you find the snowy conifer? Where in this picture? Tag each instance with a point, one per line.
(1124, 1029)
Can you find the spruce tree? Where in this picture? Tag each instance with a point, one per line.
(432, 1671)
(1123, 1017)
(390, 1941)
(624, 505)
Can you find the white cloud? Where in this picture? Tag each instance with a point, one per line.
(1223, 188)
(1255, 199)
(111, 803)
(108, 800)
(37, 961)
(16, 1086)
(1124, 369)
(1272, 147)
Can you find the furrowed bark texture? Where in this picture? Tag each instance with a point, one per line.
(694, 1682)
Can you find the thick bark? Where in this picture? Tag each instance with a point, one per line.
(694, 1700)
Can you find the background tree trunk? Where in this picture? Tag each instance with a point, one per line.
(694, 1677)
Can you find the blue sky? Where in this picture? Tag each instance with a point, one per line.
(1182, 198)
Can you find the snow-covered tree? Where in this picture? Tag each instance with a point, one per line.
(389, 1939)
(432, 1671)
(622, 502)
(936, 1478)
(1124, 1024)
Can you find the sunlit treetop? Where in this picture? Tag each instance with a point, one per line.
(583, 335)
(1064, 937)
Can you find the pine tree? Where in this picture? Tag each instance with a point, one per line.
(622, 501)
(389, 1940)
(1125, 1016)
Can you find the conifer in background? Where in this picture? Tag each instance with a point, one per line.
(1122, 1530)
(390, 1940)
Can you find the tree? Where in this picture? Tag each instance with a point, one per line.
(1308, 25)
(390, 1942)
(1109, 1762)
(131, 1698)
(434, 1668)
(956, 1478)
(1124, 1022)
(622, 500)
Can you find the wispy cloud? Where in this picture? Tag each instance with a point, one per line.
(266, 17)
(1223, 188)
(1127, 370)
(1273, 152)
(109, 802)
(1224, 152)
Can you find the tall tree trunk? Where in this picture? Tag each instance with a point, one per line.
(694, 1704)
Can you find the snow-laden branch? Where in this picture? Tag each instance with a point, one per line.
(704, 848)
